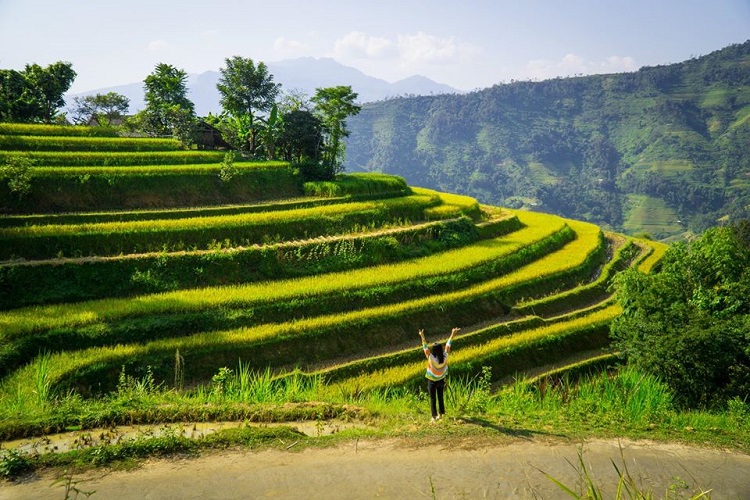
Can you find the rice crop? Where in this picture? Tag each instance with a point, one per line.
(115, 159)
(537, 228)
(234, 341)
(490, 353)
(38, 129)
(157, 169)
(112, 238)
(76, 143)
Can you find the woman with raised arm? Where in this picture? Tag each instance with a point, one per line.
(437, 369)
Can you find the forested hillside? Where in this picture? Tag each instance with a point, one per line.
(663, 150)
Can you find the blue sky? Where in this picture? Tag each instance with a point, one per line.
(468, 44)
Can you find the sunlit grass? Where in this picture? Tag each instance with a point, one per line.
(66, 364)
(538, 227)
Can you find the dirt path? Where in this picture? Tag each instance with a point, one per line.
(396, 468)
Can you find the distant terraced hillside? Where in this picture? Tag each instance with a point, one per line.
(127, 254)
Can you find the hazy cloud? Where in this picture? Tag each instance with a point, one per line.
(408, 50)
(358, 45)
(290, 47)
(572, 64)
(157, 45)
(429, 49)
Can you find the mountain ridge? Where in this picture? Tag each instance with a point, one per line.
(304, 74)
(661, 150)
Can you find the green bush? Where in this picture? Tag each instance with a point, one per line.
(689, 324)
(17, 171)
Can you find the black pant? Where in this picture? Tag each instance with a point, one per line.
(436, 389)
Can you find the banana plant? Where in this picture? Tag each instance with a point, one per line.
(270, 130)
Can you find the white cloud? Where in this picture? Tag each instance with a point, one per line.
(290, 47)
(358, 45)
(428, 49)
(411, 50)
(157, 45)
(572, 64)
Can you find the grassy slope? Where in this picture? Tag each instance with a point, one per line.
(580, 147)
(30, 404)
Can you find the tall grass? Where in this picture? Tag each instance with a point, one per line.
(43, 384)
(623, 395)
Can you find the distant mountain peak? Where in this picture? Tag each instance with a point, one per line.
(303, 73)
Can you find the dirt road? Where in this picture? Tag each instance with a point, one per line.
(461, 468)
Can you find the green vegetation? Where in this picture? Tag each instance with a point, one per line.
(589, 148)
(35, 93)
(113, 238)
(650, 215)
(626, 404)
(300, 300)
(55, 130)
(690, 323)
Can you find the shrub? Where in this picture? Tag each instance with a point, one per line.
(228, 170)
(17, 171)
(689, 323)
(13, 463)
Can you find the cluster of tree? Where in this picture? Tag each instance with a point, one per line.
(308, 131)
(690, 323)
(34, 94)
(105, 110)
(254, 122)
(572, 145)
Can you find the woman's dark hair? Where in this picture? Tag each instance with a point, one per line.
(437, 351)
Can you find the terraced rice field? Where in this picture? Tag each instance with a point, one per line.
(329, 281)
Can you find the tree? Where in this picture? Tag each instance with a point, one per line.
(301, 137)
(13, 106)
(690, 323)
(103, 109)
(49, 85)
(334, 105)
(270, 130)
(168, 110)
(294, 100)
(36, 93)
(247, 89)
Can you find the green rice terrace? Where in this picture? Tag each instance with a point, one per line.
(131, 268)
